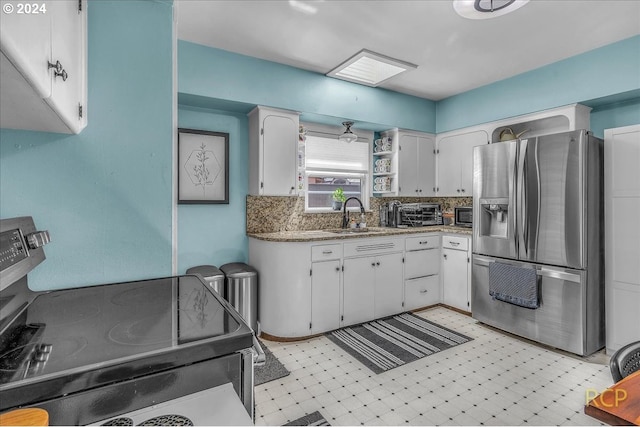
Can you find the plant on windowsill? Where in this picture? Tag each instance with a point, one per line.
(338, 199)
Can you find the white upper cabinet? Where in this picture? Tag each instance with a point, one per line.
(455, 162)
(43, 71)
(416, 164)
(273, 145)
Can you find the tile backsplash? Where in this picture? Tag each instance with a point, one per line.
(268, 214)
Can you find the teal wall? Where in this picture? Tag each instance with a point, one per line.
(602, 72)
(210, 73)
(105, 194)
(615, 115)
(216, 234)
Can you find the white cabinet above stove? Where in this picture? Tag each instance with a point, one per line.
(43, 71)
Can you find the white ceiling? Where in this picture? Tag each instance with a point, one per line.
(454, 54)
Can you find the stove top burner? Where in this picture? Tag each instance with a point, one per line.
(122, 421)
(167, 420)
(143, 332)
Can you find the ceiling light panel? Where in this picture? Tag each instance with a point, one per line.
(370, 68)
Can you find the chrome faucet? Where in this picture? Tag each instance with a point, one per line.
(345, 214)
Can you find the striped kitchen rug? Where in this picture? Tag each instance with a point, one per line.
(393, 341)
(314, 419)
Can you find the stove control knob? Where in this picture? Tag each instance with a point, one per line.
(38, 239)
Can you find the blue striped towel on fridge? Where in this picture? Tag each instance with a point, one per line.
(515, 285)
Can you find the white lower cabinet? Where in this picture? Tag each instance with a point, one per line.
(372, 288)
(325, 296)
(422, 271)
(456, 272)
(421, 292)
(359, 292)
(308, 288)
(388, 285)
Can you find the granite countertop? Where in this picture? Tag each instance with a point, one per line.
(338, 234)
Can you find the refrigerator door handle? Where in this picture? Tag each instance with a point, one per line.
(560, 275)
(513, 198)
(533, 223)
(480, 260)
(521, 201)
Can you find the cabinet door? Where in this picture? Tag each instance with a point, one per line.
(388, 285)
(422, 263)
(25, 38)
(426, 166)
(325, 296)
(448, 167)
(408, 166)
(466, 145)
(358, 290)
(67, 46)
(421, 292)
(455, 278)
(279, 141)
(455, 163)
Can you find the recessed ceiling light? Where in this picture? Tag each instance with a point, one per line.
(485, 9)
(369, 68)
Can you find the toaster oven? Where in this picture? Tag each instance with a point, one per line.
(419, 214)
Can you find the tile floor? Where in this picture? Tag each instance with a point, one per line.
(496, 379)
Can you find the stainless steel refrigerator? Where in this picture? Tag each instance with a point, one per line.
(538, 239)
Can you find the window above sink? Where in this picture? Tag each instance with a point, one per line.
(330, 164)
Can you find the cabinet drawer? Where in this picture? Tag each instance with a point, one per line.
(422, 263)
(455, 242)
(424, 242)
(326, 252)
(421, 292)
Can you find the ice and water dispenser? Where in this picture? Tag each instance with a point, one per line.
(493, 218)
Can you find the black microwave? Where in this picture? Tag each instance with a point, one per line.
(464, 217)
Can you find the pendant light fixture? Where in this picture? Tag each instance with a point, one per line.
(348, 136)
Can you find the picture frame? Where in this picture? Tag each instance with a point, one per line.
(203, 167)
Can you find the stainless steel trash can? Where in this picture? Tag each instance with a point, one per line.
(241, 287)
(213, 277)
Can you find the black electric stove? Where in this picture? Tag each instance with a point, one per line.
(104, 350)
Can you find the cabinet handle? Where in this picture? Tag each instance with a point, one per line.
(327, 252)
(445, 256)
(337, 268)
(378, 263)
(58, 70)
(462, 190)
(424, 291)
(458, 190)
(424, 242)
(421, 190)
(454, 243)
(373, 264)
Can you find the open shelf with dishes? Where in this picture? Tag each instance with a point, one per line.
(385, 164)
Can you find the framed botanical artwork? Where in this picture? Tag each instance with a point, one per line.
(203, 167)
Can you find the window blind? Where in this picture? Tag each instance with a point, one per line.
(327, 154)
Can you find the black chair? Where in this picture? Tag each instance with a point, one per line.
(625, 361)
